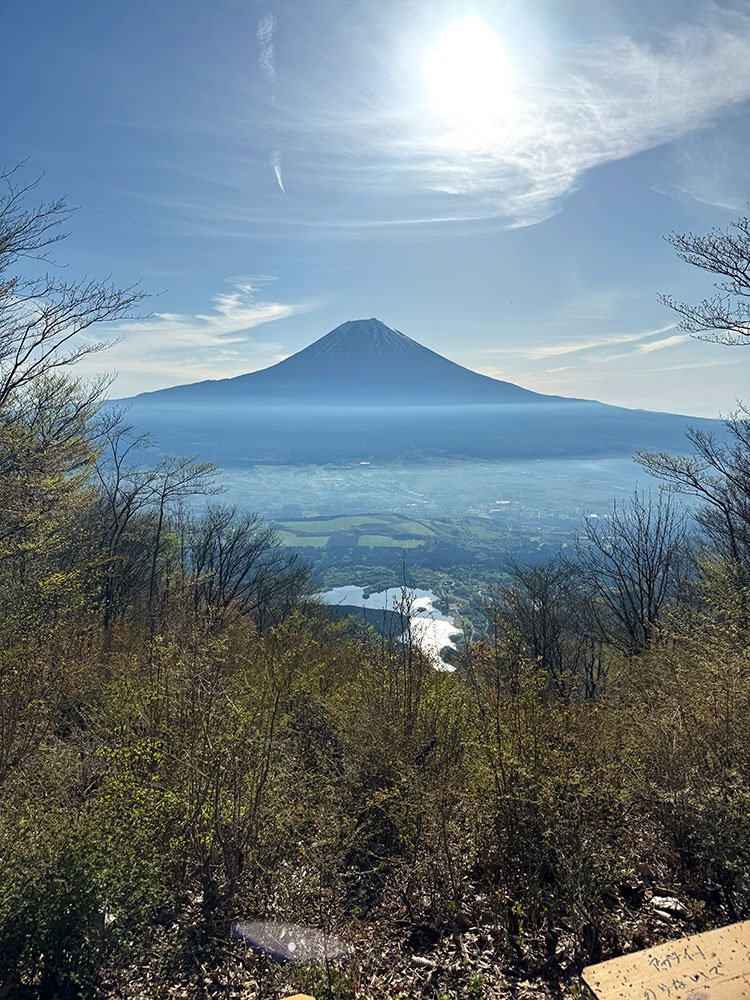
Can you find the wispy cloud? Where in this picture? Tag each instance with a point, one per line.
(266, 51)
(592, 343)
(659, 345)
(576, 346)
(677, 366)
(166, 347)
(276, 164)
(710, 169)
(374, 158)
(714, 200)
(267, 66)
(234, 312)
(574, 109)
(608, 101)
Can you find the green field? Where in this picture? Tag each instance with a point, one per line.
(385, 541)
(367, 530)
(303, 541)
(417, 528)
(331, 524)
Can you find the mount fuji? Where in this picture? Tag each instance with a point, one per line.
(361, 362)
(367, 392)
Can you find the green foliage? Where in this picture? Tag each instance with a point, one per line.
(51, 930)
(157, 791)
(475, 988)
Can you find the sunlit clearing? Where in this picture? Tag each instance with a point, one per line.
(470, 81)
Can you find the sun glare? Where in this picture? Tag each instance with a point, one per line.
(470, 80)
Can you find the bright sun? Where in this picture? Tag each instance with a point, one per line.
(470, 80)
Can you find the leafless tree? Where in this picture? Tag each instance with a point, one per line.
(237, 562)
(125, 491)
(635, 563)
(46, 414)
(718, 471)
(547, 612)
(43, 317)
(718, 474)
(175, 480)
(137, 501)
(725, 316)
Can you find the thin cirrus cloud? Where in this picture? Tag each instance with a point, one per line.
(266, 52)
(276, 165)
(595, 342)
(166, 347)
(575, 108)
(610, 101)
(659, 345)
(576, 346)
(710, 169)
(589, 351)
(267, 66)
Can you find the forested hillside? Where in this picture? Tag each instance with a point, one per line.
(185, 741)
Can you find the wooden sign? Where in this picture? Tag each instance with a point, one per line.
(710, 966)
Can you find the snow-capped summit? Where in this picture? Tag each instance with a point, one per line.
(358, 337)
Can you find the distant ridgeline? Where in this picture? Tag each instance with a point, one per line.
(366, 392)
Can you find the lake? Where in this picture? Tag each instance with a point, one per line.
(433, 631)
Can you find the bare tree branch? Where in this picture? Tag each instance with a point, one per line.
(634, 561)
(725, 317)
(718, 475)
(44, 320)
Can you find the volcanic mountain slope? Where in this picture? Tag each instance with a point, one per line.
(367, 392)
(361, 362)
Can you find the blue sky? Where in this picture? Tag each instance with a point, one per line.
(494, 179)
